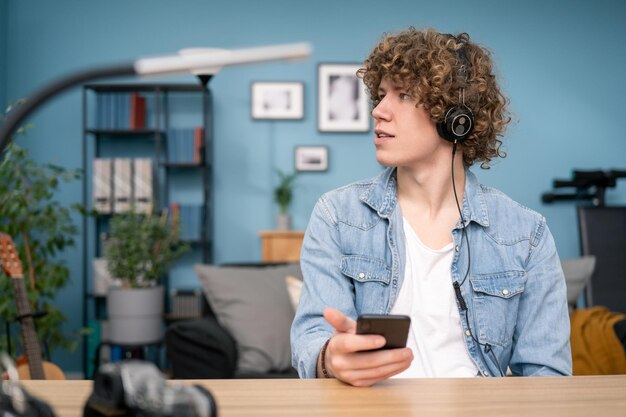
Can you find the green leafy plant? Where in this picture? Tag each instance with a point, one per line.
(141, 247)
(284, 192)
(41, 228)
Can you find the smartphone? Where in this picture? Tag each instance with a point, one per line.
(393, 327)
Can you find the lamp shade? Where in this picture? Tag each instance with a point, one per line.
(187, 52)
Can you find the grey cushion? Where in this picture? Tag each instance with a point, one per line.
(577, 273)
(252, 303)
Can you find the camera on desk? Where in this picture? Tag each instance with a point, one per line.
(16, 402)
(136, 388)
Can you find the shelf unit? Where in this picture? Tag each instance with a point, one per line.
(153, 142)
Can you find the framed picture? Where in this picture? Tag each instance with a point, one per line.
(277, 100)
(342, 100)
(311, 158)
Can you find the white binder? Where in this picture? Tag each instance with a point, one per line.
(102, 196)
(143, 185)
(122, 183)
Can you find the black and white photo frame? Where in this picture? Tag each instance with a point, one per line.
(277, 100)
(343, 104)
(311, 158)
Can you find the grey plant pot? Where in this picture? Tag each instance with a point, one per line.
(283, 222)
(135, 315)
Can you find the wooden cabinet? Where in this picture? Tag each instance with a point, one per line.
(281, 245)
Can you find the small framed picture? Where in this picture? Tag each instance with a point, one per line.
(311, 158)
(277, 100)
(342, 100)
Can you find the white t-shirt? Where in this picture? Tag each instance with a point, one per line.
(427, 296)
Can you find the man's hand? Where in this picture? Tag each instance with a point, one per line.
(353, 359)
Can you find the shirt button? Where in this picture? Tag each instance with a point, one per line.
(505, 292)
(468, 333)
(456, 248)
(362, 275)
(485, 373)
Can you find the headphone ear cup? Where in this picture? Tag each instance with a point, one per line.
(457, 124)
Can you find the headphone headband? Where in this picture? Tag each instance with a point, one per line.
(458, 120)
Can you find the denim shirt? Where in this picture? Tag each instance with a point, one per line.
(353, 259)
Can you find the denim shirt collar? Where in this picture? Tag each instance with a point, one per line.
(474, 204)
(381, 196)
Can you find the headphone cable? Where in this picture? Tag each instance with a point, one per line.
(456, 285)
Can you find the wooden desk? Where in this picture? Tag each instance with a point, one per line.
(482, 397)
(281, 245)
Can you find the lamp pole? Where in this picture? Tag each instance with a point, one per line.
(208, 63)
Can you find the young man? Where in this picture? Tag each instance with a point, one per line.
(477, 273)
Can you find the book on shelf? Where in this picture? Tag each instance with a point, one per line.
(102, 190)
(122, 185)
(175, 217)
(103, 110)
(120, 111)
(185, 145)
(100, 109)
(123, 111)
(189, 217)
(186, 303)
(137, 111)
(198, 145)
(142, 184)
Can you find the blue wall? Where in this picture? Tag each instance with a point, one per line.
(561, 64)
(3, 54)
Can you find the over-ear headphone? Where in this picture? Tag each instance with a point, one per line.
(458, 121)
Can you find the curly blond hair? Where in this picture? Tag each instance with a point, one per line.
(428, 65)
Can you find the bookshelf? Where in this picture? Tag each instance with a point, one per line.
(125, 125)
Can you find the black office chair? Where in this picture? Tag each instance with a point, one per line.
(603, 235)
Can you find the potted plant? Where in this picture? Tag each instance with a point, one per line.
(42, 228)
(283, 195)
(138, 251)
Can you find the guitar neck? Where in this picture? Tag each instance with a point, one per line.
(29, 335)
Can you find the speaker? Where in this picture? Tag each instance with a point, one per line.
(457, 124)
(458, 121)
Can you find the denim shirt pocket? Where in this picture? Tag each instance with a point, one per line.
(496, 302)
(371, 277)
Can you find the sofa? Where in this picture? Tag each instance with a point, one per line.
(244, 332)
(249, 309)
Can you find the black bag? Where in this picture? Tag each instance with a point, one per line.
(200, 349)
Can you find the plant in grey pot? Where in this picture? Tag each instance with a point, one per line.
(283, 195)
(139, 251)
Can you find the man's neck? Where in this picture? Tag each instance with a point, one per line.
(427, 201)
(429, 188)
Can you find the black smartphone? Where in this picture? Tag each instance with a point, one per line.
(393, 327)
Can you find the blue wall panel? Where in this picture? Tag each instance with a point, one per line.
(3, 55)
